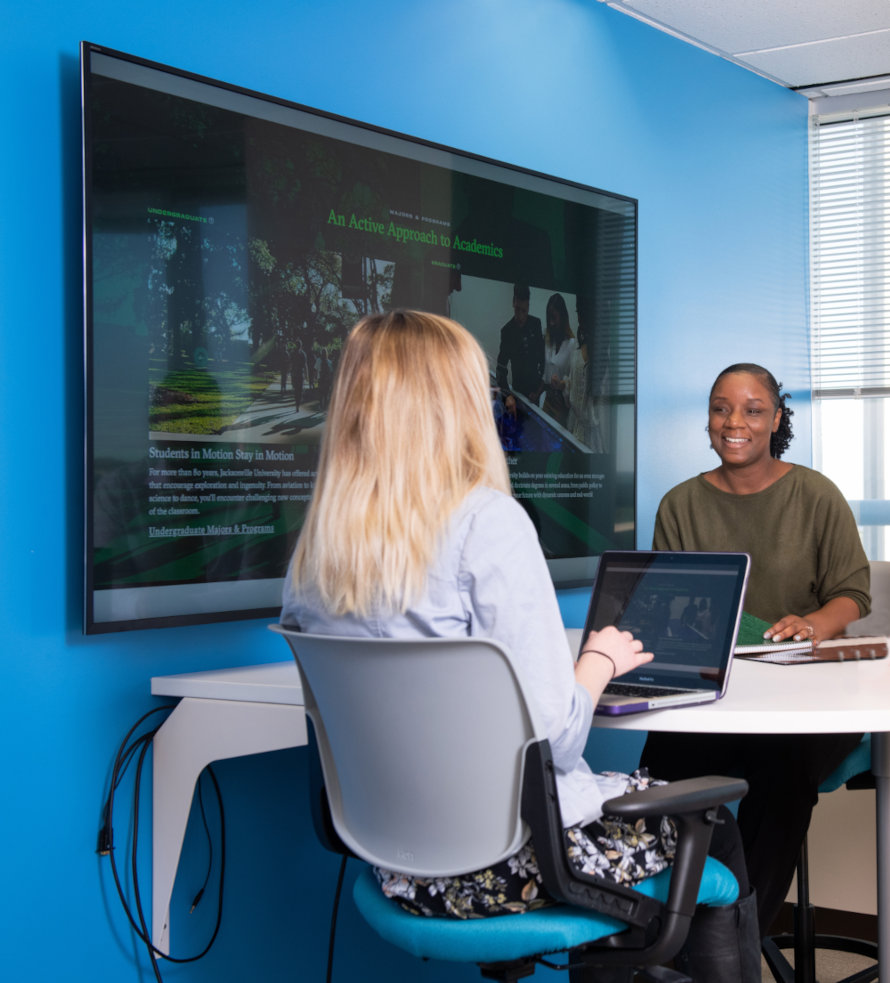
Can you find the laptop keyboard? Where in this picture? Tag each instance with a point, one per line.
(625, 689)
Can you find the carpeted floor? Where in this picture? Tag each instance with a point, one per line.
(830, 966)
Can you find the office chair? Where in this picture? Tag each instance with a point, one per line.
(854, 772)
(433, 765)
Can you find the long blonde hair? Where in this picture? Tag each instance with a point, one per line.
(409, 434)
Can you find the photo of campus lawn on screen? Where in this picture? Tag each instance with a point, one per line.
(231, 243)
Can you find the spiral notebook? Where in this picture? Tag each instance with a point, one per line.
(848, 648)
(686, 609)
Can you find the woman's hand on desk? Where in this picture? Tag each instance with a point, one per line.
(828, 622)
(606, 654)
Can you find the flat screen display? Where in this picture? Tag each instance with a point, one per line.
(231, 240)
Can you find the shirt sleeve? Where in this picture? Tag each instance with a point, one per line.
(509, 597)
(842, 566)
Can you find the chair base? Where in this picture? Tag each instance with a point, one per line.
(804, 940)
(784, 972)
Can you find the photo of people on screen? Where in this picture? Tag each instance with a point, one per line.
(553, 381)
(521, 349)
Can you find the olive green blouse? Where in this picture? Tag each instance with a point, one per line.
(800, 533)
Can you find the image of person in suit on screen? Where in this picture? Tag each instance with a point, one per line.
(521, 349)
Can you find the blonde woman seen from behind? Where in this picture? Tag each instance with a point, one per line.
(409, 434)
(413, 532)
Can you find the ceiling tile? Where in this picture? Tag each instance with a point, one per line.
(826, 61)
(744, 25)
(794, 42)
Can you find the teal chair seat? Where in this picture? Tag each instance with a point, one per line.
(505, 937)
(857, 762)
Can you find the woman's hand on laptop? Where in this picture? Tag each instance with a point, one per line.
(606, 654)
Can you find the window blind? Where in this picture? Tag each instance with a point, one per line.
(850, 255)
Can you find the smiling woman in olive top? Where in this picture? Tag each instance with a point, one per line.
(809, 572)
(809, 579)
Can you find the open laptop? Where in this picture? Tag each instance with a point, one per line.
(685, 608)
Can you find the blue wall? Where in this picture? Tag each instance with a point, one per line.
(717, 158)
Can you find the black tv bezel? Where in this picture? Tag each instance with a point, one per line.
(566, 572)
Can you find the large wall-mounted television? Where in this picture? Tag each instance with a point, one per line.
(231, 240)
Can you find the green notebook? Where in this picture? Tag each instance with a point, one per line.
(751, 630)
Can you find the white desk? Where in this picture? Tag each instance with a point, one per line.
(224, 713)
(229, 713)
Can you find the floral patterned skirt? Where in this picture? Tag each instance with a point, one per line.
(622, 851)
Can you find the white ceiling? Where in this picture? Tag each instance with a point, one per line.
(798, 43)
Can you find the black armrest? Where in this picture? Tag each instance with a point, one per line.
(657, 930)
(692, 804)
(688, 795)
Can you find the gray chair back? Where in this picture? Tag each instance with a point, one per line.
(878, 621)
(422, 745)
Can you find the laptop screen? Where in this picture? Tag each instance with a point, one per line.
(684, 607)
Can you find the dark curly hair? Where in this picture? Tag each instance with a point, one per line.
(781, 439)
